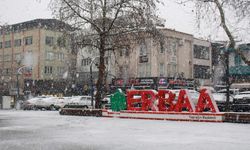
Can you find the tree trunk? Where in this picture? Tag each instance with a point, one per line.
(101, 73)
(230, 46)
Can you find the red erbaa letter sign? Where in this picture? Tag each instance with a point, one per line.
(184, 102)
(166, 99)
(206, 102)
(149, 100)
(134, 100)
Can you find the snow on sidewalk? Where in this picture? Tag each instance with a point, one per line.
(48, 130)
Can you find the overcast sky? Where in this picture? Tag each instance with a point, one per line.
(178, 17)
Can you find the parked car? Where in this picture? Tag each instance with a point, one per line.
(241, 102)
(31, 104)
(62, 101)
(106, 102)
(46, 103)
(84, 101)
(220, 98)
(231, 91)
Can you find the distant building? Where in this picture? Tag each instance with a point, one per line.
(38, 49)
(88, 55)
(178, 55)
(238, 70)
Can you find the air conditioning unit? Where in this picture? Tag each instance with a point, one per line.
(181, 42)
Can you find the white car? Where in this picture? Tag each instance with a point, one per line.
(47, 103)
(62, 101)
(242, 95)
(219, 97)
(84, 101)
(241, 102)
(33, 102)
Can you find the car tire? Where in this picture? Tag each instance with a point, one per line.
(52, 107)
(85, 107)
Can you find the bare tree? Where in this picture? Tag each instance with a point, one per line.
(100, 22)
(215, 10)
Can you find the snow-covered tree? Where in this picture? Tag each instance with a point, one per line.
(100, 23)
(222, 12)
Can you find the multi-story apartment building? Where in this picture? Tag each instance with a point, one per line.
(176, 55)
(90, 58)
(151, 61)
(37, 50)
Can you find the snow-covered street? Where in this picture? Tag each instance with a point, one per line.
(47, 130)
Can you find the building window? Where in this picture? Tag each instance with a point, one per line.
(48, 70)
(201, 52)
(1, 45)
(143, 49)
(162, 47)
(61, 41)
(174, 68)
(28, 40)
(86, 62)
(49, 55)
(201, 72)
(169, 73)
(18, 42)
(124, 52)
(7, 58)
(148, 70)
(7, 32)
(142, 72)
(60, 56)
(49, 40)
(60, 70)
(161, 70)
(17, 56)
(7, 44)
(174, 47)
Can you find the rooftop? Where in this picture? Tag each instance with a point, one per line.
(38, 23)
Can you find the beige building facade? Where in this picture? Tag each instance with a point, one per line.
(176, 55)
(35, 50)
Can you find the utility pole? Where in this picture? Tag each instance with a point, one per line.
(17, 86)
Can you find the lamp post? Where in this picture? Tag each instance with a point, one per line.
(17, 80)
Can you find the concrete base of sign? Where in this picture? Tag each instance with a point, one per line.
(157, 115)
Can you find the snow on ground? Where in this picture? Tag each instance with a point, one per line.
(47, 130)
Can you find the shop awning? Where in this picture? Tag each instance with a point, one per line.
(239, 70)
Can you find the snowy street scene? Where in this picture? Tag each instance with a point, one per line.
(125, 75)
(46, 130)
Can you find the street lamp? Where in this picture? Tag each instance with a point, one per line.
(17, 83)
